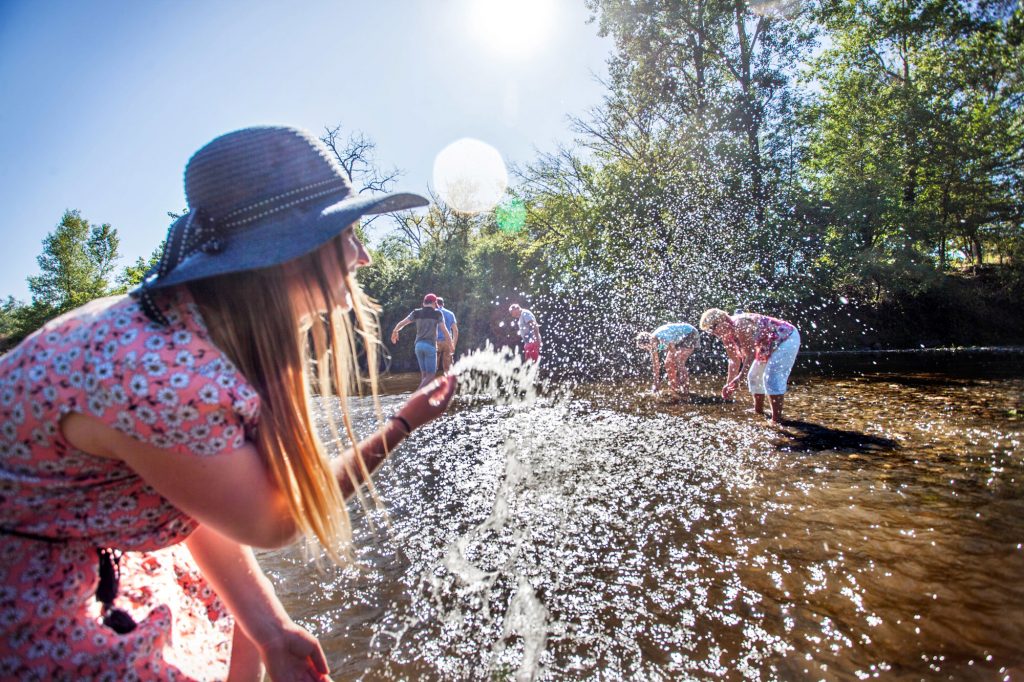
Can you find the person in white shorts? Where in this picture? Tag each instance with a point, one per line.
(768, 345)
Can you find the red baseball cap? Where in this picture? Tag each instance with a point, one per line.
(429, 299)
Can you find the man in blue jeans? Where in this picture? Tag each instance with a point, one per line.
(446, 351)
(429, 325)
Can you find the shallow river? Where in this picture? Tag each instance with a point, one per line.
(602, 533)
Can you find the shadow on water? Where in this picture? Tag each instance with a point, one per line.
(600, 532)
(803, 436)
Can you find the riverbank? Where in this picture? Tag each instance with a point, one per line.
(987, 361)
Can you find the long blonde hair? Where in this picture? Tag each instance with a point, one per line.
(252, 319)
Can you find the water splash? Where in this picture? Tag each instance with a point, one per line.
(500, 592)
(590, 534)
(500, 376)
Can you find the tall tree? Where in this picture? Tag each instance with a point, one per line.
(133, 274)
(9, 323)
(355, 154)
(974, 183)
(714, 79)
(918, 130)
(75, 265)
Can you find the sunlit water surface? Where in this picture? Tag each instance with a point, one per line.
(607, 534)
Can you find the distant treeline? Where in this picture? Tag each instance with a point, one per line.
(855, 167)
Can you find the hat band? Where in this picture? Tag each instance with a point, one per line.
(197, 231)
(283, 201)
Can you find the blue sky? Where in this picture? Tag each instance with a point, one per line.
(106, 101)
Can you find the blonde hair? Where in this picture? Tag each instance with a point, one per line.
(711, 317)
(282, 358)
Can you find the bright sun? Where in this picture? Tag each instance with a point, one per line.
(512, 27)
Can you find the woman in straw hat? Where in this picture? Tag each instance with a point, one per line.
(768, 346)
(148, 442)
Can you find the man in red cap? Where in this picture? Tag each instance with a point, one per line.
(429, 326)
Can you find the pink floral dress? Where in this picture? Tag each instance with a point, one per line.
(168, 386)
(765, 332)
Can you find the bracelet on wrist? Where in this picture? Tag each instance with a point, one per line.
(403, 421)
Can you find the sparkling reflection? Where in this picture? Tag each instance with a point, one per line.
(600, 532)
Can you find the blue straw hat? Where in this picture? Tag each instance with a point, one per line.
(259, 197)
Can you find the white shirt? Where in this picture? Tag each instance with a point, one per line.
(526, 325)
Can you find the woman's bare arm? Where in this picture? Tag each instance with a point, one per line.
(288, 651)
(423, 406)
(232, 492)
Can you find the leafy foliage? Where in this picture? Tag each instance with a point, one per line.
(76, 262)
(832, 162)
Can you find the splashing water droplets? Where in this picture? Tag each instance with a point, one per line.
(580, 531)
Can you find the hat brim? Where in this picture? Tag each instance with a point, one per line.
(282, 238)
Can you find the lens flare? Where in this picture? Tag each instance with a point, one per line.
(470, 176)
(510, 215)
(784, 9)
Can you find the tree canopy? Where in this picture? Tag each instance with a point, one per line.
(835, 162)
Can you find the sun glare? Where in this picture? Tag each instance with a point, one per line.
(785, 9)
(511, 27)
(470, 176)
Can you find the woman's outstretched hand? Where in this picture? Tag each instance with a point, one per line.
(429, 402)
(294, 654)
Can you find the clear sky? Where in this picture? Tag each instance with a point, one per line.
(104, 102)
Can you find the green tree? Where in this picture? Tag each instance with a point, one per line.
(706, 86)
(133, 274)
(973, 186)
(916, 135)
(9, 322)
(75, 265)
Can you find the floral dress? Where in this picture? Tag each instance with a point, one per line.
(166, 385)
(766, 332)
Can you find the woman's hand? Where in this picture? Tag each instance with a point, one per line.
(394, 337)
(292, 654)
(429, 402)
(729, 390)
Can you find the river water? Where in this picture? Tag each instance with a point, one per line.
(600, 532)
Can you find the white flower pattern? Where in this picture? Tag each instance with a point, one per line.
(167, 386)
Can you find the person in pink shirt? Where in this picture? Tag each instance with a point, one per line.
(768, 346)
(149, 442)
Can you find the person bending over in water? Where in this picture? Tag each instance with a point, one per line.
(767, 345)
(147, 443)
(678, 340)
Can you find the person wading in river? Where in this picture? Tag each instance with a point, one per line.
(429, 326)
(767, 345)
(446, 351)
(679, 340)
(529, 331)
